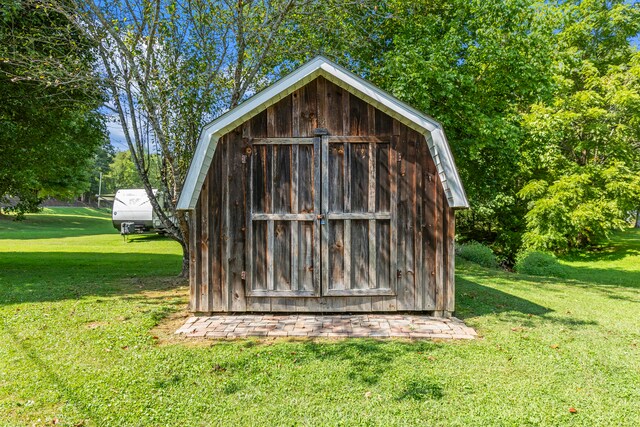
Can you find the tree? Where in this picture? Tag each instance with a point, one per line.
(474, 66)
(169, 67)
(122, 172)
(583, 146)
(100, 165)
(48, 133)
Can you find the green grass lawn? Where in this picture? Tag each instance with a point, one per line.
(85, 339)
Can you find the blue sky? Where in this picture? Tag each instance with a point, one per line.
(117, 136)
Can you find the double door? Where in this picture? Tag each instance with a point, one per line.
(322, 217)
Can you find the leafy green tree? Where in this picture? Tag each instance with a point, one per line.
(122, 172)
(474, 66)
(100, 164)
(169, 67)
(582, 156)
(48, 132)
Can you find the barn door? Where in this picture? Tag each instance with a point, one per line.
(322, 217)
(359, 216)
(284, 201)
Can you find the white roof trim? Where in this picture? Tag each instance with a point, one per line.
(320, 66)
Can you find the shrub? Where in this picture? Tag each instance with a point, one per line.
(537, 263)
(477, 253)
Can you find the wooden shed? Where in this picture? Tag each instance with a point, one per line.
(322, 193)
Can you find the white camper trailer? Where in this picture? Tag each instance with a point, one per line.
(132, 212)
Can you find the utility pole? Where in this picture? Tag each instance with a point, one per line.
(99, 190)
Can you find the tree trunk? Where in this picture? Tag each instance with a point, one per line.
(638, 218)
(185, 261)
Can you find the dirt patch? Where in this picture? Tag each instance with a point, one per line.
(177, 297)
(95, 325)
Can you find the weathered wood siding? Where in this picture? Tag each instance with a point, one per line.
(255, 233)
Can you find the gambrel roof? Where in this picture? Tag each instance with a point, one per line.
(320, 66)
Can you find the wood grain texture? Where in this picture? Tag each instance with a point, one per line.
(386, 244)
(450, 282)
(237, 211)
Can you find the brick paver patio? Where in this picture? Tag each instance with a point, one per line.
(331, 326)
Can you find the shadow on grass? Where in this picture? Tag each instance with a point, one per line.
(54, 227)
(476, 300)
(55, 276)
(622, 245)
(588, 276)
(143, 238)
(367, 359)
(364, 362)
(70, 394)
(421, 390)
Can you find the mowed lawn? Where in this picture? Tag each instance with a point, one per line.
(86, 339)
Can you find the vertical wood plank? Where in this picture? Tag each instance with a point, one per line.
(237, 211)
(451, 261)
(294, 174)
(269, 254)
(295, 226)
(272, 159)
(348, 255)
(317, 208)
(296, 112)
(282, 265)
(406, 282)
(393, 207)
(371, 120)
(324, 229)
(283, 176)
(271, 121)
(321, 105)
(256, 250)
(346, 173)
(216, 300)
(359, 117)
(418, 222)
(305, 179)
(401, 214)
(359, 166)
(205, 271)
(371, 199)
(336, 254)
(205, 249)
(360, 251)
(258, 125)
(385, 125)
(439, 276)
(429, 235)
(279, 118)
(307, 113)
(259, 255)
(194, 221)
(346, 111)
(338, 182)
(306, 258)
(225, 248)
(249, 248)
(295, 250)
(373, 249)
(333, 105)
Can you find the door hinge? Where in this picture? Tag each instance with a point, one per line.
(243, 275)
(399, 274)
(244, 158)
